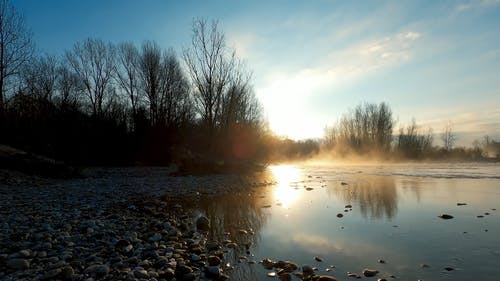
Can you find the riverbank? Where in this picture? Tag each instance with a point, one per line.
(122, 223)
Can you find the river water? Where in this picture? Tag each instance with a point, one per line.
(393, 216)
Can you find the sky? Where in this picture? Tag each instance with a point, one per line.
(437, 62)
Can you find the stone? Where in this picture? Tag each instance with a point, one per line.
(307, 270)
(99, 270)
(285, 276)
(214, 260)
(339, 215)
(202, 223)
(140, 272)
(318, 259)
(445, 216)
(51, 274)
(271, 274)
(326, 278)
(18, 263)
(369, 272)
(213, 271)
(68, 272)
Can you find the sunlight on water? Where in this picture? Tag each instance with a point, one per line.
(286, 177)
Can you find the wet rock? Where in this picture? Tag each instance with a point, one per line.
(461, 204)
(326, 278)
(348, 206)
(309, 188)
(449, 268)
(214, 260)
(202, 223)
(285, 276)
(213, 271)
(353, 275)
(369, 272)
(486, 214)
(381, 279)
(344, 183)
(271, 274)
(318, 259)
(445, 216)
(339, 215)
(381, 261)
(18, 263)
(267, 263)
(195, 258)
(307, 270)
(424, 265)
(480, 216)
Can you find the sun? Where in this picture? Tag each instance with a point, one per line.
(285, 104)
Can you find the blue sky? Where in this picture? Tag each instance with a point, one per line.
(435, 61)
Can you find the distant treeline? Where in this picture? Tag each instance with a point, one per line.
(369, 129)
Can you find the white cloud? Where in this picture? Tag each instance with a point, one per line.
(476, 4)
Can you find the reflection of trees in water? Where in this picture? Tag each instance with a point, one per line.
(232, 214)
(413, 186)
(376, 196)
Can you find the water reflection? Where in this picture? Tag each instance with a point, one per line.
(376, 196)
(286, 192)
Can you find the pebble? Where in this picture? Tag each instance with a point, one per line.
(18, 264)
(326, 278)
(445, 216)
(369, 272)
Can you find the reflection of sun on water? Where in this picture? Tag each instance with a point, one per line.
(285, 176)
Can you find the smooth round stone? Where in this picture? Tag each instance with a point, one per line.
(213, 271)
(202, 223)
(326, 278)
(98, 269)
(140, 272)
(214, 260)
(307, 270)
(52, 274)
(195, 258)
(339, 215)
(25, 253)
(369, 272)
(18, 263)
(68, 272)
(271, 274)
(445, 216)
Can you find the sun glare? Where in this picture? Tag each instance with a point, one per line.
(285, 192)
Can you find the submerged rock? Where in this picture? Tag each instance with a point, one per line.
(339, 215)
(326, 278)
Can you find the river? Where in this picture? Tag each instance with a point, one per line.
(352, 217)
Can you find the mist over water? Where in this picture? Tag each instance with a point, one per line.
(394, 217)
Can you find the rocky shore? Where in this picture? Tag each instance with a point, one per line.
(113, 224)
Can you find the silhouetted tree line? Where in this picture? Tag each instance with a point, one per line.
(104, 103)
(369, 130)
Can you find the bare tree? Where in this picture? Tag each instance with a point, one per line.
(127, 74)
(175, 101)
(210, 64)
(151, 68)
(16, 47)
(40, 76)
(94, 62)
(69, 87)
(448, 137)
